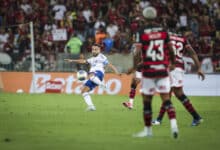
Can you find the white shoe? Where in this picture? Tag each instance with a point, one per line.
(147, 132)
(156, 122)
(91, 108)
(128, 105)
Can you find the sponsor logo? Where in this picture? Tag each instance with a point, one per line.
(70, 85)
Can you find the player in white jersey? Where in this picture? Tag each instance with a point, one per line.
(97, 63)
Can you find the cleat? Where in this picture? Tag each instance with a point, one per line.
(175, 135)
(156, 122)
(145, 133)
(128, 105)
(196, 122)
(91, 108)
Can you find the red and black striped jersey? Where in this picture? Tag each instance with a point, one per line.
(155, 51)
(179, 43)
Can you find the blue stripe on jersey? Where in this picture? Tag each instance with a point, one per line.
(106, 62)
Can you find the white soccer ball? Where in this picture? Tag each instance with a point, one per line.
(81, 75)
(19, 91)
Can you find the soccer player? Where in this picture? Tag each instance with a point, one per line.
(136, 75)
(180, 46)
(97, 62)
(157, 55)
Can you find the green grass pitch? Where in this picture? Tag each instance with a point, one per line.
(60, 122)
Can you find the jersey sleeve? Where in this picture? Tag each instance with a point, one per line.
(89, 60)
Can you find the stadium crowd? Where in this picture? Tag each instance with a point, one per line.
(108, 22)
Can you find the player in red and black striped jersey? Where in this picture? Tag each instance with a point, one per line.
(136, 74)
(157, 57)
(181, 46)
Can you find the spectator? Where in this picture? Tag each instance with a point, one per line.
(100, 35)
(73, 46)
(112, 29)
(59, 10)
(108, 44)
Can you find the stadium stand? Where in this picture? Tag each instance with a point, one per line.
(199, 20)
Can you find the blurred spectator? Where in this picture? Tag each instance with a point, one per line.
(119, 18)
(183, 22)
(59, 10)
(216, 56)
(73, 45)
(205, 55)
(99, 23)
(4, 36)
(100, 35)
(217, 25)
(108, 44)
(112, 29)
(194, 26)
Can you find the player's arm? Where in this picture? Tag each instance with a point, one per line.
(172, 55)
(137, 60)
(80, 61)
(195, 58)
(113, 68)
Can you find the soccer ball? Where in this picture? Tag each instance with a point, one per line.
(81, 75)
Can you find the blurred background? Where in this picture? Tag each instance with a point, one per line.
(67, 28)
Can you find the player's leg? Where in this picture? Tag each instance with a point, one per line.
(88, 86)
(177, 76)
(163, 87)
(147, 94)
(97, 78)
(178, 91)
(160, 116)
(135, 81)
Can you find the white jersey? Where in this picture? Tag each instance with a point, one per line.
(98, 63)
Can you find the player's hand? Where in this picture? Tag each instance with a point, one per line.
(172, 67)
(201, 74)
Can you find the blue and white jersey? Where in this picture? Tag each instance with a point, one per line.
(98, 63)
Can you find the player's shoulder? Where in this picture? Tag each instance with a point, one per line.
(101, 56)
(177, 37)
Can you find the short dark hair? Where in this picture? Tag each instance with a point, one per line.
(96, 44)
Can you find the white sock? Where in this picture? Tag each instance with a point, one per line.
(96, 80)
(173, 125)
(148, 130)
(131, 101)
(87, 99)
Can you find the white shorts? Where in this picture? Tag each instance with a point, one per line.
(176, 77)
(151, 85)
(138, 74)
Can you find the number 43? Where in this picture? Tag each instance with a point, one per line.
(155, 50)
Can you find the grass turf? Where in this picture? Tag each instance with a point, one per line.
(59, 121)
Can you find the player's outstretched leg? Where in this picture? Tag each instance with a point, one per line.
(197, 119)
(132, 94)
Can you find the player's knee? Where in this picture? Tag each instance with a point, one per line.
(147, 107)
(167, 104)
(85, 89)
